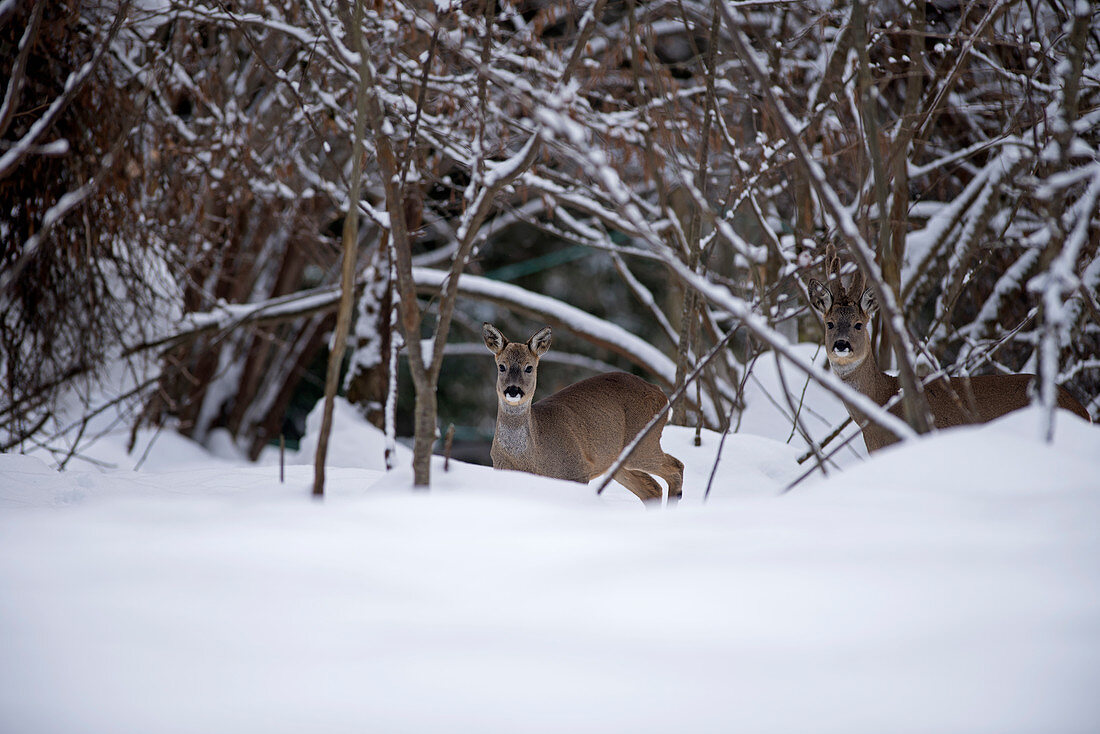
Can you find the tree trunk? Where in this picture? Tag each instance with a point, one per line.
(350, 242)
(425, 437)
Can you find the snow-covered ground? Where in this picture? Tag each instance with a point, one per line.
(948, 585)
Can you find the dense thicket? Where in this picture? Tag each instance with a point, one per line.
(75, 264)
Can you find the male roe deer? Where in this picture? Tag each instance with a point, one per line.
(578, 432)
(847, 314)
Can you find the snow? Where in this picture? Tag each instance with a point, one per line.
(947, 584)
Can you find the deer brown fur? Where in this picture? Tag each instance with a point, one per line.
(958, 401)
(578, 432)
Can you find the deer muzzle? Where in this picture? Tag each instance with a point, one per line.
(842, 348)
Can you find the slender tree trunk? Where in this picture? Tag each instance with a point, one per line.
(350, 243)
(900, 156)
(425, 421)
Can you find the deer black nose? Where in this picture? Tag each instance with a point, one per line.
(512, 391)
(841, 345)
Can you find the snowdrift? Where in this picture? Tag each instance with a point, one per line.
(946, 585)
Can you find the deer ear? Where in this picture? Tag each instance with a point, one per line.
(820, 296)
(540, 342)
(494, 340)
(868, 303)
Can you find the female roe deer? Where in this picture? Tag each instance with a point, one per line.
(954, 402)
(578, 432)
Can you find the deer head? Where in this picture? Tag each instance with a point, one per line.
(846, 314)
(517, 365)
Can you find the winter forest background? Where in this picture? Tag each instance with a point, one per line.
(176, 177)
(658, 180)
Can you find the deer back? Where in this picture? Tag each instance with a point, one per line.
(593, 420)
(985, 397)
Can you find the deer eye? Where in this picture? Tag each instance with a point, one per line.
(829, 324)
(529, 368)
(501, 367)
(858, 326)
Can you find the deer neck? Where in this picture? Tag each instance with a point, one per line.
(514, 428)
(866, 377)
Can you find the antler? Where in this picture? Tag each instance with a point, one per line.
(832, 270)
(836, 283)
(858, 284)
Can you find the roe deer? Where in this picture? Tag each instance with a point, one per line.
(578, 432)
(952, 402)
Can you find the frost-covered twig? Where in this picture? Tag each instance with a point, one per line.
(73, 86)
(19, 68)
